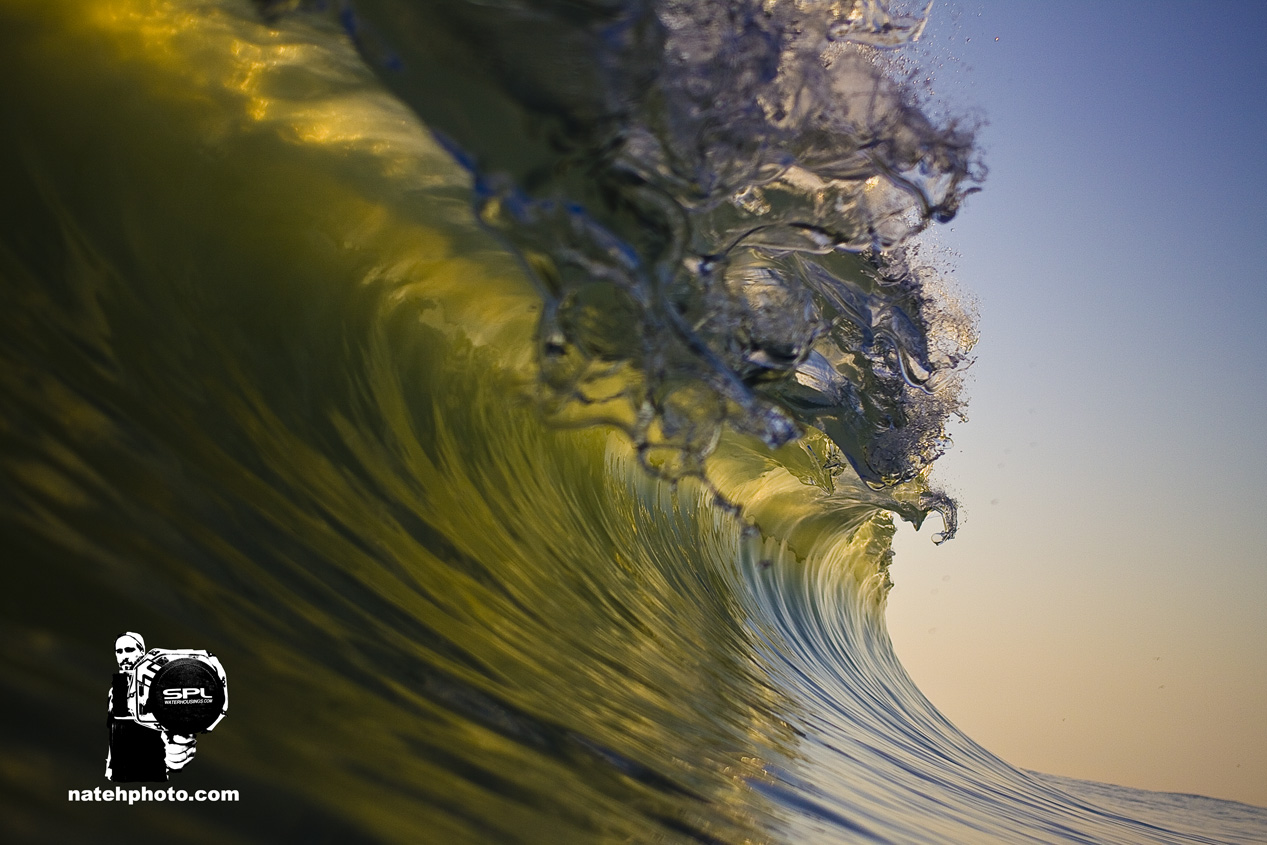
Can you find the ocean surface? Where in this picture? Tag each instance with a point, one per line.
(517, 396)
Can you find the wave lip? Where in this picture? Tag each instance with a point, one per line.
(716, 201)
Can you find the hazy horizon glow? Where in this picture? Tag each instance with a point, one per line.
(1100, 614)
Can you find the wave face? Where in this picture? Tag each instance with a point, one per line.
(514, 396)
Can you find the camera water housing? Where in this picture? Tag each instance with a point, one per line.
(184, 691)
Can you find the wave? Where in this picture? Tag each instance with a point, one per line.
(525, 486)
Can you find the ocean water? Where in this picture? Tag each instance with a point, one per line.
(517, 397)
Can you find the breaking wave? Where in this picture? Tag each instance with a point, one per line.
(515, 397)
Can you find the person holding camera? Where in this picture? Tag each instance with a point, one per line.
(138, 750)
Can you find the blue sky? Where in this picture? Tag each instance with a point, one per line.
(1101, 613)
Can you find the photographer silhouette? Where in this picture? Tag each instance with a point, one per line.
(154, 711)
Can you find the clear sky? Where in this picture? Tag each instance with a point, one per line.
(1103, 612)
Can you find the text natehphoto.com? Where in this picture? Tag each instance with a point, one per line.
(145, 793)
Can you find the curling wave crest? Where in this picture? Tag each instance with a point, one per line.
(716, 200)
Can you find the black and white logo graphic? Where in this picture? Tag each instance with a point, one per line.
(159, 701)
